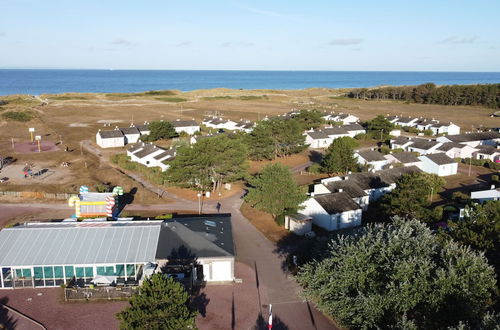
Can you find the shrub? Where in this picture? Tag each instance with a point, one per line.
(314, 168)
(494, 178)
(22, 116)
(164, 216)
(171, 99)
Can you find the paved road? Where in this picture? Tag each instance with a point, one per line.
(274, 285)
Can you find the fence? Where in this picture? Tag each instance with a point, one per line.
(109, 293)
(35, 194)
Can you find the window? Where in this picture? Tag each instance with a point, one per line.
(89, 272)
(70, 272)
(48, 272)
(58, 272)
(79, 272)
(130, 270)
(38, 272)
(120, 270)
(27, 273)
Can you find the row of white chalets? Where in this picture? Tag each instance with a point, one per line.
(225, 124)
(323, 137)
(425, 124)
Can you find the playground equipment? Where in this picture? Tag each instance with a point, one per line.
(94, 204)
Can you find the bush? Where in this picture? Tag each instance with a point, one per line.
(494, 178)
(152, 174)
(385, 150)
(18, 116)
(482, 162)
(164, 216)
(314, 168)
(171, 99)
(460, 197)
(428, 132)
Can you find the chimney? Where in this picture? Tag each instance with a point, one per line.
(312, 194)
(340, 190)
(493, 187)
(346, 177)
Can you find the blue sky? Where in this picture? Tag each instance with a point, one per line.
(255, 35)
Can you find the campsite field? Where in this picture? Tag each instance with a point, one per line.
(66, 120)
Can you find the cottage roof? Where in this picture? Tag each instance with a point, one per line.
(450, 145)
(406, 120)
(147, 150)
(136, 147)
(348, 186)
(318, 135)
(337, 203)
(406, 157)
(487, 150)
(440, 158)
(169, 152)
(184, 123)
(371, 155)
(132, 130)
(335, 130)
(110, 134)
(143, 128)
(299, 217)
(353, 127)
(423, 144)
(400, 140)
(479, 136)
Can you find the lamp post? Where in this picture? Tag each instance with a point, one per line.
(199, 202)
(31, 130)
(38, 138)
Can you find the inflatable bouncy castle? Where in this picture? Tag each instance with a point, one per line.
(94, 204)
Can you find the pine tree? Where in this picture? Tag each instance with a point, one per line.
(339, 157)
(275, 191)
(161, 303)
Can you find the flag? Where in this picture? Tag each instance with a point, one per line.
(270, 323)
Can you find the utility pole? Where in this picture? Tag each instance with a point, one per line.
(470, 164)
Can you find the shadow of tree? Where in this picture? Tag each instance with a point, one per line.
(315, 156)
(262, 323)
(183, 260)
(126, 198)
(6, 320)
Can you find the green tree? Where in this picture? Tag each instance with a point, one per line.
(161, 303)
(209, 163)
(379, 127)
(339, 157)
(412, 196)
(160, 130)
(399, 275)
(275, 138)
(309, 119)
(275, 191)
(480, 229)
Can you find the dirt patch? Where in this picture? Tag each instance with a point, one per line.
(264, 222)
(41, 174)
(290, 161)
(29, 147)
(236, 188)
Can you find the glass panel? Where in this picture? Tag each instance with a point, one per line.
(27, 273)
(58, 272)
(120, 270)
(89, 272)
(69, 271)
(48, 272)
(130, 270)
(110, 271)
(79, 272)
(38, 272)
(19, 273)
(100, 270)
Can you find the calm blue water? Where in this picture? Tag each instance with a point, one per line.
(35, 82)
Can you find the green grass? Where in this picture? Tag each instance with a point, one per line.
(18, 116)
(171, 99)
(148, 93)
(152, 174)
(67, 97)
(252, 97)
(214, 98)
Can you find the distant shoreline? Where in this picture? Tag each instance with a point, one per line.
(58, 81)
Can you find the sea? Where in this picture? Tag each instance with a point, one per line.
(48, 81)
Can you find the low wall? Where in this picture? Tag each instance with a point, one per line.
(35, 195)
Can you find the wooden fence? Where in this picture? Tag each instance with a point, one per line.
(35, 194)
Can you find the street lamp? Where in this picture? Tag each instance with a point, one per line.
(199, 202)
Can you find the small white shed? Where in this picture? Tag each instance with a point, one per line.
(299, 224)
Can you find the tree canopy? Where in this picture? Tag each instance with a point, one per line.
(412, 196)
(275, 138)
(486, 95)
(160, 130)
(480, 229)
(309, 119)
(339, 157)
(399, 275)
(275, 191)
(161, 303)
(209, 163)
(379, 127)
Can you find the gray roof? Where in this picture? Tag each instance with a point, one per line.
(440, 158)
(196, 237)
(487, 150)
(184, 123)
(353, 127)
(142, 128)
(129, 130)
(337, 203)
(135, 147)
(400, 140)
(406, 157)
(78, 243)
(147, 150)
(169, 152)
(110, 134)
(299, 217)
(423, 144)
(479, 136)
(450, 145)
(336, 130)
(405, 119)
(380, 179)
(371, 155)
(317, 135)
(348, 186)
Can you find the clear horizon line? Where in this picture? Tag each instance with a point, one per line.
(229, 70)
